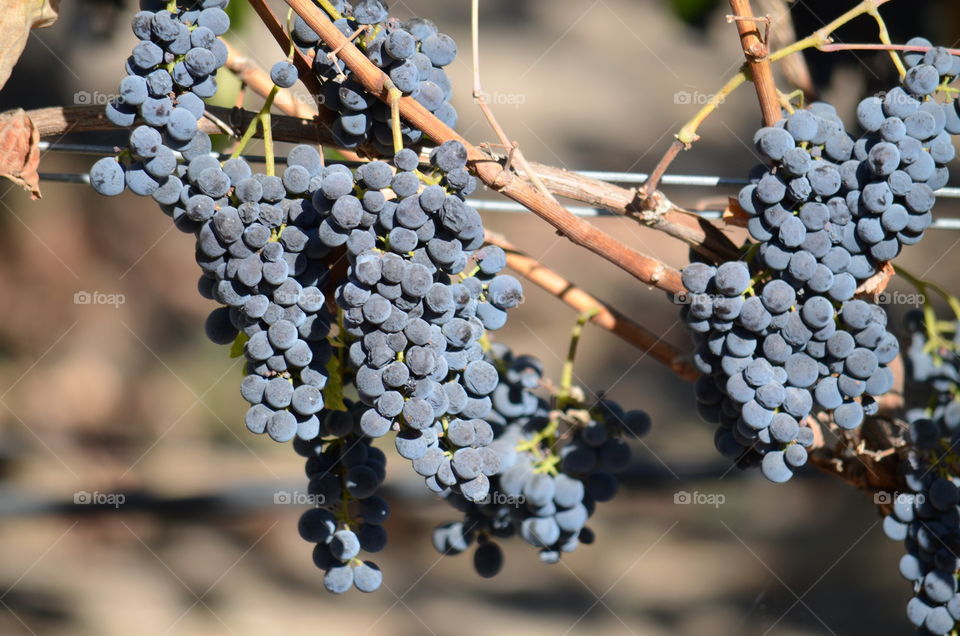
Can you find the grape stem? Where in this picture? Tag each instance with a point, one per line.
(327, 6)
(252, 127)
(395, 95)
(884, 36)
(565, 394)
(268, 142)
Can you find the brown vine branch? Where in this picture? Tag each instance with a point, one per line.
(58, 120)
(650, 187)
(645, 268)
(782, 32)
(662, 216)
(606, 317)
(758, 60)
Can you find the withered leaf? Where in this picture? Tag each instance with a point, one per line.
(20, 150)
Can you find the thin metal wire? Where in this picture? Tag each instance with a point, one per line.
(487, 205)
(612, 177)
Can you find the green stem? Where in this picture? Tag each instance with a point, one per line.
(329, 8)
(395, 95)
(885, 38)
(267, 142)
(292, 48)
(252, 126)
(566, 376)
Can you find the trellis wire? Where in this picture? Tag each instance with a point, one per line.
(499, 206)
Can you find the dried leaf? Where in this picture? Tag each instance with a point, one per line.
(876, 283)
(734, 214)
(20, 150)
(16, 20)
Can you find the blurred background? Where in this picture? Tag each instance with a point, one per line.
(125, 395)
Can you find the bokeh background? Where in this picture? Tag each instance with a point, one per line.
(131, 399)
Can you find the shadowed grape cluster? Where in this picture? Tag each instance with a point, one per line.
(553, 467)
(927, 517)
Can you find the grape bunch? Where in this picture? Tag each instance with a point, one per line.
(554, 466)
(927, 518)
(412, 53)
(344, 473)
(170, 72)
(413, 318)
(778, 333)
(388, 253)
(254, 233)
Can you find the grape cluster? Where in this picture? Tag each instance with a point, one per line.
(412, 332)
(927, 518)
(255, 234)
(543, 491)
(412, 53)
(345, 472)
(169, 73)
(390, 253)
(779, 333)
